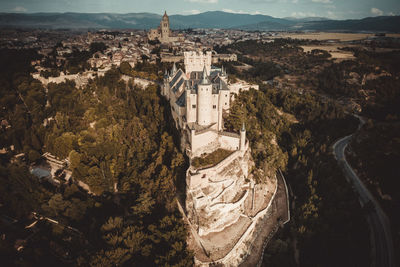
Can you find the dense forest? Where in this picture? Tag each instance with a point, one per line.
(321, 196)
(380, 169)
(119, 142)
(371, 80)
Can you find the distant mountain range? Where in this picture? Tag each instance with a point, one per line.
(212, 19)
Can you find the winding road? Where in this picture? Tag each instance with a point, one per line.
(381, 238)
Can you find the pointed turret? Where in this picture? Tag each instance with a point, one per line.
(174, 70)
(166, 75)
(243, 138)
(205, 79)
(165, 13)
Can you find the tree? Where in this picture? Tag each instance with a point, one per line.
(125, 68)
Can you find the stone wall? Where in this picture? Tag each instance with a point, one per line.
(242, 86)
(205, 142)
(229, 142)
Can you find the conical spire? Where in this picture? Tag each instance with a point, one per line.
(243, 128)
(165, 13)
(205, 77)
(173, 69)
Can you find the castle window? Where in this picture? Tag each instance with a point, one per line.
(214, 106)
(193, 106)
(226, 103)
(226, 95)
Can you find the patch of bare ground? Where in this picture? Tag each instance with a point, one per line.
(238, 196)
(262, 197)
(343, 37)
(219, 244)
(289, 117)
(333, 50)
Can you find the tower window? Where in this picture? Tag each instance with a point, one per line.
(193, 106)
(226, 103)
(214, 106)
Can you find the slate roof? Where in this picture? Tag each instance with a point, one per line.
(181, 100)
(177, 76)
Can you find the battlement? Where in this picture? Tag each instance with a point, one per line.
(197, 60)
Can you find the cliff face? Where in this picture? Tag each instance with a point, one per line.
(221, 199)
(223, 206)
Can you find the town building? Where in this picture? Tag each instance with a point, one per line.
(163, 33)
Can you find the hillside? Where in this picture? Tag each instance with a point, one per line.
(211, 19)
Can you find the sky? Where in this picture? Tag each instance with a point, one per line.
(334, 9)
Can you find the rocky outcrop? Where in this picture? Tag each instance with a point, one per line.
(223, 207)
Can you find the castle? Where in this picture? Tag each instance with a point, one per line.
(199, 97)
(223, 204)
(163, 33)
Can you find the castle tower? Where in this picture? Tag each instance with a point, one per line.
(204, 100)
(243, 138)
(165, 27)
(196, 61)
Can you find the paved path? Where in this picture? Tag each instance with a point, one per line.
(379, 223)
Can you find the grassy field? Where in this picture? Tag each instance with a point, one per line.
(211, 159)
(343, 37)
(331, 49)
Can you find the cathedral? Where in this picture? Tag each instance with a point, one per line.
(163, 33)
(199, 96)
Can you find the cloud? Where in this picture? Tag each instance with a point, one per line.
(303, 14)
(322, 1)
(203, 1)
(271, 1)
(391, 14)
(193, 11)
(295, 1)
(376, 11)
(20, 9)
(227, 10)
(331, 15)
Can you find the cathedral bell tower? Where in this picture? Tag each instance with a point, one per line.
(165, 26)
